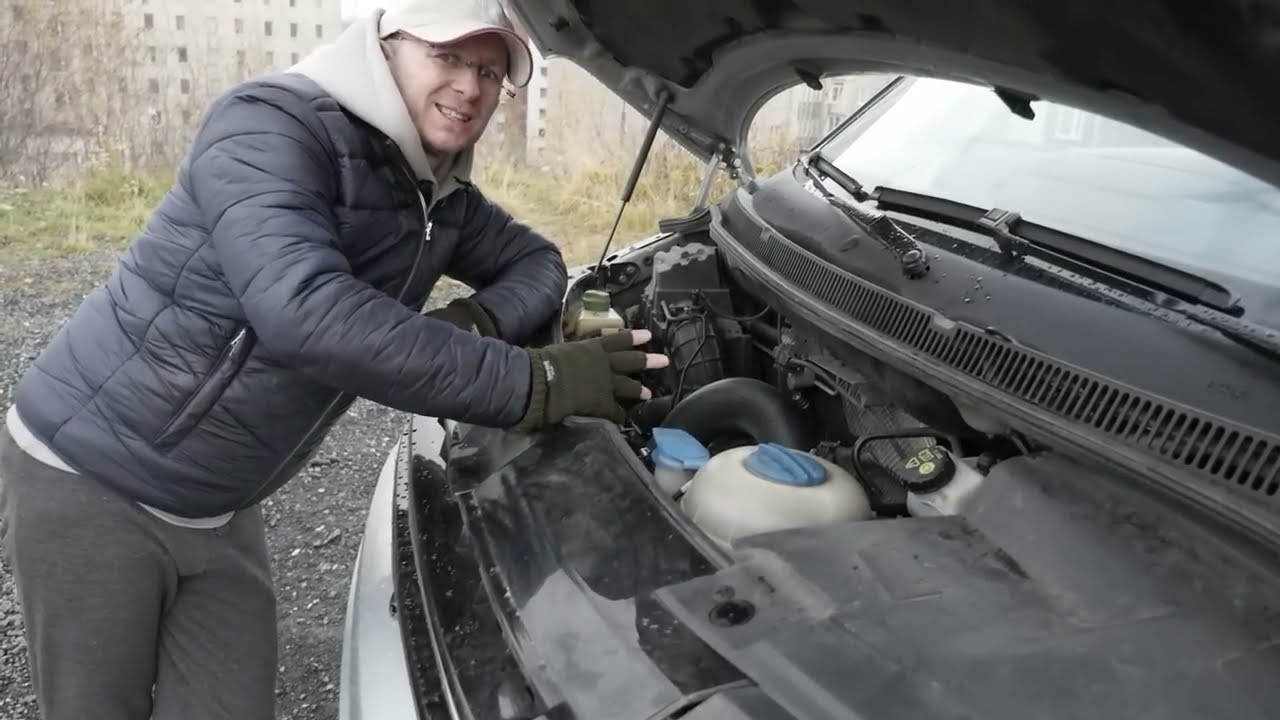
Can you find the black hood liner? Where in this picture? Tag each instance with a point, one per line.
(1214, 66)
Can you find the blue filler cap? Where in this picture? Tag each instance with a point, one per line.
(674, 448)
(780, 464)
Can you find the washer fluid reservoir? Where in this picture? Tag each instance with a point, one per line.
(763, 488)
(676, 456)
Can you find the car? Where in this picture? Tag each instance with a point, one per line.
(971, 411)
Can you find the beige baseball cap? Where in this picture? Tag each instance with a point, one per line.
(446, 21)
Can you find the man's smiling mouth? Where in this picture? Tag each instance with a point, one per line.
(453, 114)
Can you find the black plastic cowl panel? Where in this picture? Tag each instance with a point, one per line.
(1211, 446)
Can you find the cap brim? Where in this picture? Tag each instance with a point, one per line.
(519, 59)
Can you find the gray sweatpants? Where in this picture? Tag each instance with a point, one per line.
(129, 617)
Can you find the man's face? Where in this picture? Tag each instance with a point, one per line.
(450, 90)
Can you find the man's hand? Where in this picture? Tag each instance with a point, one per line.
(466, 314)
(588, 377)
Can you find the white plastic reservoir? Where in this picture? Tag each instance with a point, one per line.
(763, 488)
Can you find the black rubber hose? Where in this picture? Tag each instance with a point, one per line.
(743, 406)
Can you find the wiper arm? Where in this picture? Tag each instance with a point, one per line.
(914, 261)
(1017, 237)
(1169, 289)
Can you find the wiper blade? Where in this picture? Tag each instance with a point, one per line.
(914, 261)
(1016, 237)
(1167, 288)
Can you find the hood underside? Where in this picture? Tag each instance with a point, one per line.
(1201, 73)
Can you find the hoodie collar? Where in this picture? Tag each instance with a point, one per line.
(354, 71)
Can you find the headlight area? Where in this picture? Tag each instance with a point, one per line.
(459, 662)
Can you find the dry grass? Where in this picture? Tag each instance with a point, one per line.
(574, 207)
(103, 211)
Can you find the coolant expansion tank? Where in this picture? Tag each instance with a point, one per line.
(762, 488)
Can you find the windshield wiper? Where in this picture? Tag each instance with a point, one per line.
(1016, 238)
(1167, 288)
(914, 261)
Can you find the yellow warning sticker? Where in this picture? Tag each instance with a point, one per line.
(927, 468)
(926, 454)
(913, 463)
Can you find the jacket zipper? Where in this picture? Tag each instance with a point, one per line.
(342, 395)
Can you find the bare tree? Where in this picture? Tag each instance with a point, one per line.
(65, 71)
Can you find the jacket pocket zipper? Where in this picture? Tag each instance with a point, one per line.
(209, 389)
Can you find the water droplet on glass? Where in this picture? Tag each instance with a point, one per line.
(944, 274)
(988, 297)
(968, 299)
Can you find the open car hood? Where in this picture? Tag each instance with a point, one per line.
(1200, 73)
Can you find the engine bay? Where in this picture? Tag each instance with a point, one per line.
(756, 426)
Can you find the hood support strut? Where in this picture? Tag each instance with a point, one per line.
(664, 99)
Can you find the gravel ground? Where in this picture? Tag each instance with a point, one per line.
(314, 523)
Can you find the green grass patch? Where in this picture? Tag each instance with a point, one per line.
(104, 211)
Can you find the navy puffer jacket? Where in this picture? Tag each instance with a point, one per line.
(281, 276)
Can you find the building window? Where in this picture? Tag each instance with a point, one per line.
(148, 21)
(542, 113)
(319, 31)
(185, 86)
(151, 53)
(271, 59)
(544, 70)
(293, 58)
(266, 28)
(153, 86)
(180, 22)
(239, 25)
(182, 54)
(293, 29)
(293, 3)
(240, 58)
(542, 91)
(211, 25)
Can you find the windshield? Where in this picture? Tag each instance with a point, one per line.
(1076, 172)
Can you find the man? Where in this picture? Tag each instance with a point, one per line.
(280, 278)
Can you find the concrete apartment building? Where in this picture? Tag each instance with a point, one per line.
(193, 49)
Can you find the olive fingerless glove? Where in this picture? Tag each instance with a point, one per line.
(587, 377)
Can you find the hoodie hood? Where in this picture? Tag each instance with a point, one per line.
(354, 71)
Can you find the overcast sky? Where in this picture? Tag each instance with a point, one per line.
(358, 8)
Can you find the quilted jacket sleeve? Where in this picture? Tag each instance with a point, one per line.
(520, 275)
(263, 175)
